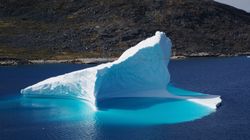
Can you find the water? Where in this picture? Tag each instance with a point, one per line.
(72, 119)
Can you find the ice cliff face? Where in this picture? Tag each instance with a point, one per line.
(141, 71)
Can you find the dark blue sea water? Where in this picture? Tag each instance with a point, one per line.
(36, 118)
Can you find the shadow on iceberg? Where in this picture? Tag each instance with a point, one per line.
(141, 71)
(131, 103)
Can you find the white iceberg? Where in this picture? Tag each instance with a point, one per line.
(141, 71)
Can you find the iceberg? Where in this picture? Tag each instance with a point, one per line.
(141, 71)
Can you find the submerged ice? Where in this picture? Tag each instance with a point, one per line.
(141, 71)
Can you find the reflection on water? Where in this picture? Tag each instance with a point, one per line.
(44, 109)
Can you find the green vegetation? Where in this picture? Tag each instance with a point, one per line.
(21, 53)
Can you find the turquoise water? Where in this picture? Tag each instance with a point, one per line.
(150, 111)
(115, 111)
(182, 92)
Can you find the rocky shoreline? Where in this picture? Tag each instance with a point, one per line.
(16, 61)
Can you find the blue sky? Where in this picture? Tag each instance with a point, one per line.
(241, 4)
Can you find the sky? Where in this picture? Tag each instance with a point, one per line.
(241, 4)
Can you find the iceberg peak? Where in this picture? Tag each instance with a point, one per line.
(159, 33)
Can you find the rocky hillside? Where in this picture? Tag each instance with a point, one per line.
(63, 29)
